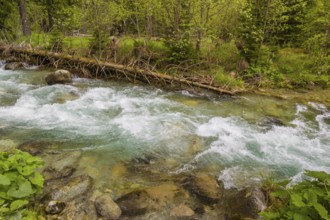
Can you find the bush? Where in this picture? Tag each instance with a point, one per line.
(227, 80)
(307, 200)
(56, 40)
(223, 53)
(100, 40)
(180, 50)
(19, 182)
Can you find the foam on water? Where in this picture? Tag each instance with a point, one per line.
(138, 118)
(286, 150)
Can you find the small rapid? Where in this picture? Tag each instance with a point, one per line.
(242, 140)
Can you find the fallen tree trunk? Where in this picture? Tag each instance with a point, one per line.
(108, 70)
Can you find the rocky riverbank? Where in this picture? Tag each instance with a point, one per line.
(72, 190)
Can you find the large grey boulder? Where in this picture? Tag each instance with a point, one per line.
(107, 208)
(59, 77)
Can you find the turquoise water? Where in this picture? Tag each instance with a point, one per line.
(234, 138)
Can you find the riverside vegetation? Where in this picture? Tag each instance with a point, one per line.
(235, 44)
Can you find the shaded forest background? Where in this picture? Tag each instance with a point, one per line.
(235, 43)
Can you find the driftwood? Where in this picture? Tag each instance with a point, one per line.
(107, 70)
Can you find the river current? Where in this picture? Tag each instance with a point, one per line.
(241, 140)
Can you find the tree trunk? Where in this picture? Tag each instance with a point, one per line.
(24, 19)
(50, 14)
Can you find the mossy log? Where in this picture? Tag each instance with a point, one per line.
(103, 69)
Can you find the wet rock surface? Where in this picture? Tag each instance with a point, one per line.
(151, 199)
(72, 188)
(13, 65)
(34, 147)
(107, 208)
(206, 187)
(59, 77)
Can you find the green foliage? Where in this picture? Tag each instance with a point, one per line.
(100, 40)
(180, 50)
(226, 80)
(221, 53)
(56, 40)
(308, 200)
(19, 182)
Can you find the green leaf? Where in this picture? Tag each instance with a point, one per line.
(322, 211)
(24, 190)
(320, 175)
(270, 215)
(280, 193)
(26, 170)
(310, 197)
(300, 216)
(296, 200)
(37, 180)
(17, 204)
(4, 180)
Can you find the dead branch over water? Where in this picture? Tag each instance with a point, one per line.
(100, 69)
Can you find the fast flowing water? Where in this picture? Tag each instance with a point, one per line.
(241, 140)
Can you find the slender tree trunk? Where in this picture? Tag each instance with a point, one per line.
(50, 14)
(24, 18)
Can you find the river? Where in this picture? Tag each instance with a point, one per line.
(241, 140)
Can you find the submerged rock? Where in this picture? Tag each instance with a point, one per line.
(107, 208)
(59, 77)
(50, 173)
(54, 207)
(182, 211)
(82, 209)
(152, 199)
(72, 188)
(206, 187)
(61, 161)
(13, 66)
(34, 147)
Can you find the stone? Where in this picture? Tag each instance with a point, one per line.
(13, 66)
(34, 147)
(50, 173)
(247, 203)
(82, 209)
(61, 161)
(59, 77)
(54, 207)
(206, 187)
(72, 188)
(151, 199)
(107, 208)
(182, 211)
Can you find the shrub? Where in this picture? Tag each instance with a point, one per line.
(19, 182)
(56, 40)
(307, 200)
(227, 80)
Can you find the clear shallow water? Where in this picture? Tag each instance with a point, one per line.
(114, 122)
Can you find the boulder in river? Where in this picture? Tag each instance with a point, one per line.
(247, 203)
(151, 199)
(13, 65)
(205, 187)
(34, 147)
(59, 77)
(107, 208)
(72, 188)
(182, 211)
